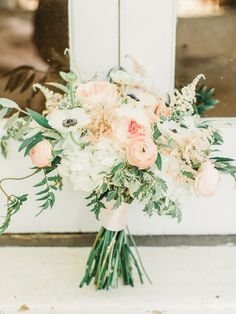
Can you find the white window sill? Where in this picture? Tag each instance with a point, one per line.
(196, 280)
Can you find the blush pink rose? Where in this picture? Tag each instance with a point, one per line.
(97, 92)
(141, 152)
(207, 180)
(127, 129)
(41, 154)
(154, 111)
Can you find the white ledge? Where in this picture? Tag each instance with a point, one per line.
(186, 280)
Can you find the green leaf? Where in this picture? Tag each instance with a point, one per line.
(23, 197)
(3, 112)
(8, 103)
(4, 147)
(159, 161)
(43, 192)
(39, 119)
(222, 159)
(205, 100)
(13, 206)
(156, 133)
(43, 198)
(44, 181)
(117, 203)
(32, 144)
(26, 142)
(52, 135)
(51, 199)
(54, 178)
(64, 76)
(120, 166)
(59, 86)
(103, 188)
(111, 195)
(188, 174)
(11, 120)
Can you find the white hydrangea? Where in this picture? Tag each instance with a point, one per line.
(84, 167)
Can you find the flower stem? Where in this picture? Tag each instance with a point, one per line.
(137, 252)
(15, 179)
(111, 258)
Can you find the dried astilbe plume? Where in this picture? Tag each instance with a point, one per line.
(101, 124)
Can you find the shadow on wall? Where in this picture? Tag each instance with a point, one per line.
(32, 44)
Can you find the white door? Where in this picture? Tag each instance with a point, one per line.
(102, 34)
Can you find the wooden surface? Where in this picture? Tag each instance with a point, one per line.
(86, 239)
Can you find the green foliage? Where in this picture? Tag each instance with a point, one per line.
(205, 100)
(30, 142)
(159, 161)
(11, 121)
(39, 118)
(16, 131)
(126, 183)
(217, 138)
(4, 146)
(156, 133)
(96, 202)
(225, 165)
(168, 208)
(119, 166)
(46, 195)
(13, 206)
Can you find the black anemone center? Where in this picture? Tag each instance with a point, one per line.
(69, 122)
(133, 97)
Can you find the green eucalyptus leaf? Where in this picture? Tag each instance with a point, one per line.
(39, 119)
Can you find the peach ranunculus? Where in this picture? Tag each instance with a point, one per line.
(154, 111)
(127, 129)
(207, 180)
(97, 92)
(141, 152)
(41, 154)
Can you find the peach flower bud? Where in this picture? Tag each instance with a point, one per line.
(97, 92)
(207, 180)
(141, 152)
(154, 111)
(41, 154)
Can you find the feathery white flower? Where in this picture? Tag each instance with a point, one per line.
(184, 99)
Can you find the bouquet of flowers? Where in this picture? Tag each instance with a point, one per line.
(120, 142)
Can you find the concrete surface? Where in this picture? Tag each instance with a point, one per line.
(186, 280)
